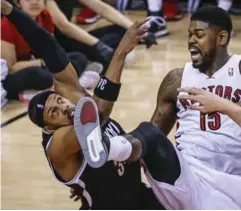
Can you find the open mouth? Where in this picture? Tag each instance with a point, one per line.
(71, 113)
(195, 53)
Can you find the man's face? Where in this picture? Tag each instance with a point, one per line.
(58, 111)
(202, 44)
(32, 7)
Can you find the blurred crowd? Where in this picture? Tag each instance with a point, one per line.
(24, 73)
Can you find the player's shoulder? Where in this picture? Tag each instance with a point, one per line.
(176, 73)
(236, 59)
(239, 63)
(169, 85)
(173, 77)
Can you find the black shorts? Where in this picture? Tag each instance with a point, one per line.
(149, 200)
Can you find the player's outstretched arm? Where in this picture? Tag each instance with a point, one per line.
(45, 46)
(211, 103)
(164, 116)
(64, 141)
(107, 90)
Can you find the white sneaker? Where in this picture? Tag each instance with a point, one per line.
(26, 95)
(88, 131)
(158, 26)
(95, 67)
(89, 79)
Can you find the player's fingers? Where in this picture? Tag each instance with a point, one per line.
(77, 198)
(142, 29)
(188, 97)
(182, 89)
(193, 91)
(197, 108)
(143, 36)
(71, 196)
(142, 22)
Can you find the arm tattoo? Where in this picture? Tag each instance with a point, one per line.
(164, 116)
(169, 85)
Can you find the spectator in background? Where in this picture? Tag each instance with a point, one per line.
(154, 11)
(171, 10)
(193, 5)
(100, 43)
(158, 10)
(158, 22)
(225, 4)
(97, 45)
(87, 16)
(26, 70)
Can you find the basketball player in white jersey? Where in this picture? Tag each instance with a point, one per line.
(203, 170)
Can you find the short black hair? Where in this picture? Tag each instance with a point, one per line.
(36, 107)
(215, 16)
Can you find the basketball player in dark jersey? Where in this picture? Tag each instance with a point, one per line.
(117, 185)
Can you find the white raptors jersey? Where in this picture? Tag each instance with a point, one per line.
(213, 139)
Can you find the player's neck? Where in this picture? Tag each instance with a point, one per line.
(219, 61)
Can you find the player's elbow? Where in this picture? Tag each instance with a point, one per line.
(55, 153)
(57, 157)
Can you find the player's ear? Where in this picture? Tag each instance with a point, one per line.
(223, 38)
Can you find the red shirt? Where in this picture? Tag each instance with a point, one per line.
(10, 34)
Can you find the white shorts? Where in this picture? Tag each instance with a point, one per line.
(198, 187)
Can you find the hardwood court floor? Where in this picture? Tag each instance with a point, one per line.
(27, 182)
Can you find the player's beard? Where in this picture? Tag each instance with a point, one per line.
(208, 60)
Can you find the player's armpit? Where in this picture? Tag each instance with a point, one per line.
(66, 84)
(164, 116)
(63, 144)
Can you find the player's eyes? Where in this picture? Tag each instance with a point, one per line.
(54, 113)
(200, 35)
(59, 100)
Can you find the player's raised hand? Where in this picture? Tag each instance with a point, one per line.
(208, 102)
(137, 32)
(6, 7)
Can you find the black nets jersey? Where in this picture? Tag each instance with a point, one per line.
(116, 185)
